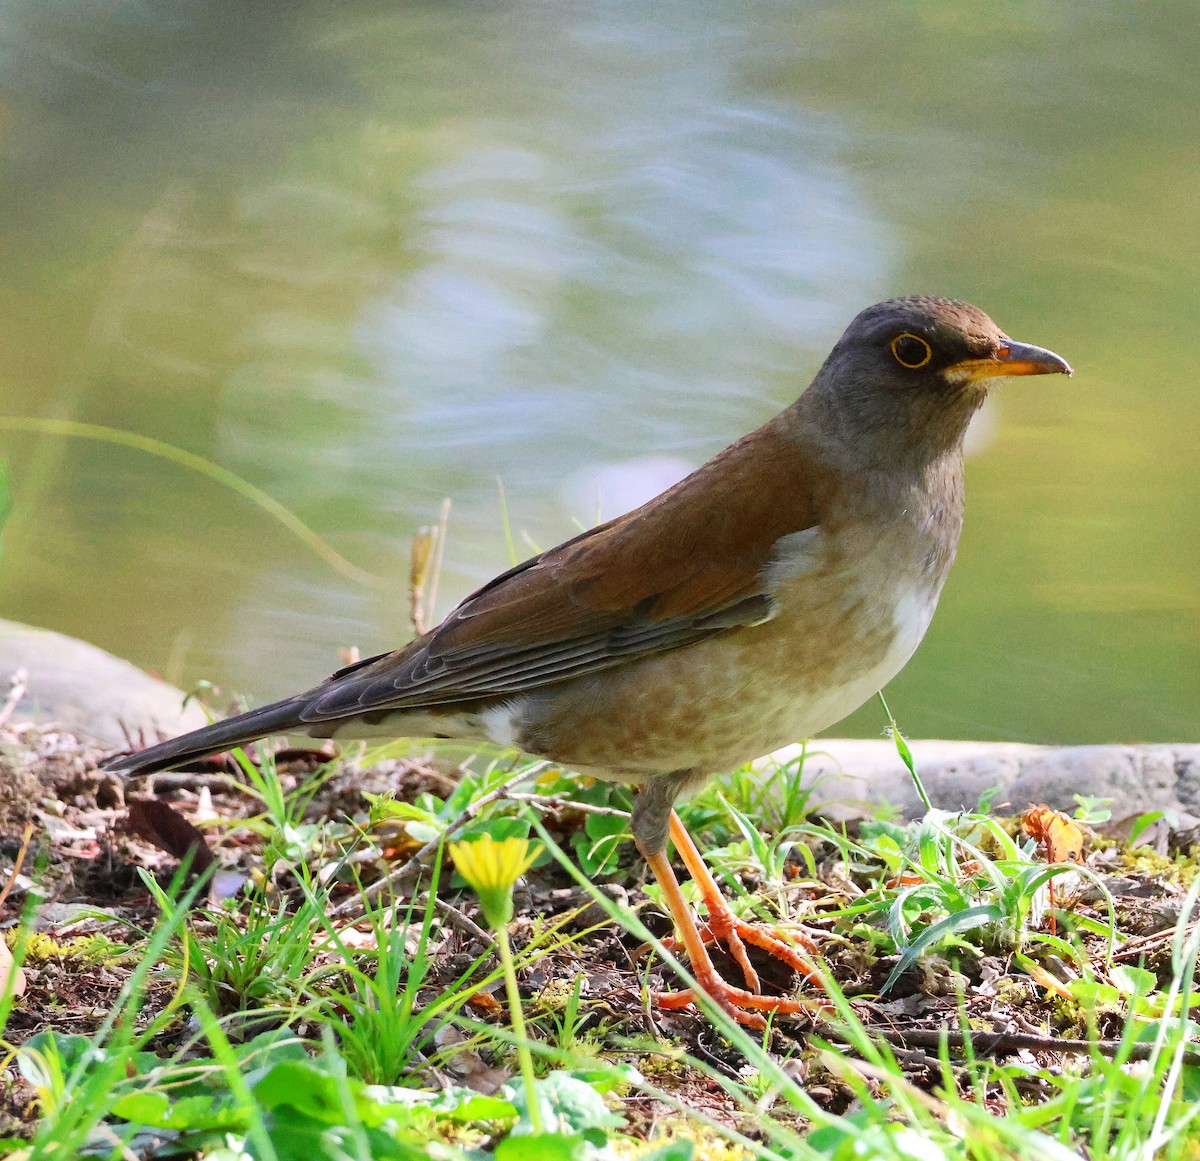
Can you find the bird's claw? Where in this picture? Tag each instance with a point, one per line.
(742, 1005)
(734, 932)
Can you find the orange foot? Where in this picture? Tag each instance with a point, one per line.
(723, 926)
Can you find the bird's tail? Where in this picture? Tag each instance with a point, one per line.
(281, 717)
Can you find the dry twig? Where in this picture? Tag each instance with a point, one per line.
(18, 684)
(1003, 1043)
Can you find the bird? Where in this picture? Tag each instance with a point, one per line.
(752, 604)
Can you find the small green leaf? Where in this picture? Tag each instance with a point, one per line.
(1092, 809)
(295, 1137)
(454, 1103)
(387, 809)
(1189, 1085)
(500, 827)
(1134, 981)
(475, 1107)
(607, 1079)
(544, 1147)
(1094, 995)
(1142, 823)
(566, 1103)
(597, 844)
(890, 852)
(187, 1114)
(144, 1108)
(872, 829)
(49, 1056)
(302, 1087)
(422, 832)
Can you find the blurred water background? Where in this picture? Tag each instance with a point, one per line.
(370, 255)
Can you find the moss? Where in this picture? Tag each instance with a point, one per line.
(1070, 1019)
(555, 995)
(83, 949)
(1181, 869)
(667, 1061)
(706, 1144)
(1012, 990)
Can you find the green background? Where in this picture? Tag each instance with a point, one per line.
(370, 255)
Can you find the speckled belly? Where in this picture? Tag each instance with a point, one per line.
(715, 705)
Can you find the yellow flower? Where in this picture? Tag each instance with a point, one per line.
(492, 867)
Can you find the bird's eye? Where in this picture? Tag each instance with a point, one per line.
(911, 351)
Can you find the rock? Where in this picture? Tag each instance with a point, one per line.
(851, 777)
(1136, 779)
(92, 694)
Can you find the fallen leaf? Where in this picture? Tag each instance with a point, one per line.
(1060, 836)
(168, 830)
(1044, 979)
(1061, 840)
(465, 1064)
(485, 1002)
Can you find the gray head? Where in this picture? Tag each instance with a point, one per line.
(908, 374)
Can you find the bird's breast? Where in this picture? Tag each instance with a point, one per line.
(847, 614)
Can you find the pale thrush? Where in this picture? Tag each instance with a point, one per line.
(754, 603)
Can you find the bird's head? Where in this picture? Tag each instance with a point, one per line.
(909, 373)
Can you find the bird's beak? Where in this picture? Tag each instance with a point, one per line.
(1012, 359)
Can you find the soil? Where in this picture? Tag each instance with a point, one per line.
(84, 863)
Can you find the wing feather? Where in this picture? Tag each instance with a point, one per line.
(686, 566)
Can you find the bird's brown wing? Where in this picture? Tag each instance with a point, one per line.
(684, 567)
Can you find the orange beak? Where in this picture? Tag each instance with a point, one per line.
(1012, 359)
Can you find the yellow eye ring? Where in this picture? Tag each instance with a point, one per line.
(911, 351)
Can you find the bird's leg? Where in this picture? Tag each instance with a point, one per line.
(727, 927)
(653, 818)
(722, 923)
(737, 1002)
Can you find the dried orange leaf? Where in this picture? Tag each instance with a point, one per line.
(168, 830)
(1059, 835)
(485, 1002)
(1044, 979)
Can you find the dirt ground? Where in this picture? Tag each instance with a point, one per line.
(83, 856)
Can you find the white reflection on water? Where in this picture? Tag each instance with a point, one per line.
(630, 267)
(658, 288)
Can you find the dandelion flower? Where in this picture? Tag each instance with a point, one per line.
(492, 867)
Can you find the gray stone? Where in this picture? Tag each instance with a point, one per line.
(1136, 779)
(1188, 788)
(850, 777)
(87, 692)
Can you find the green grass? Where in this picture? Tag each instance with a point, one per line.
(286, 1034)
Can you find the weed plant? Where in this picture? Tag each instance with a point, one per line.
(283, 1036)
